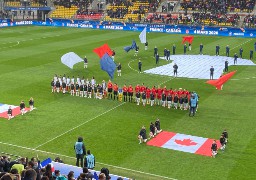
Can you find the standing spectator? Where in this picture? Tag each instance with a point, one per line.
(201, 49)
(217, 50)
(156, 51)
(85, 62)
(211, 72)
(89, 160)
(235, 59)
(22, 107)
(71, 175)
(185, 49)
(139, 65)
(251, 54)
(157, 58)
(146, 46)
(192, 105)
(226, 66)
(173, 49)
(227, 50)
(214, 149)
(241, 52)
(80, 151)
(119, 67)
(175, 70)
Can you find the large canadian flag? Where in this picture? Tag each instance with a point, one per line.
(183, 142)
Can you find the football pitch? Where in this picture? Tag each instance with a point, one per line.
(30, 57)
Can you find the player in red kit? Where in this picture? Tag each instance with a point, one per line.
(130, 93)
(125, 90)
(110, 89)
(137, 88)
(142, 88)
(148, 91)
(159, 95)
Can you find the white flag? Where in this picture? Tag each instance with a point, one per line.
(142, 36)
(70, 59)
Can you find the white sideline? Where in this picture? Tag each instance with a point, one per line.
(79, 125)
(61, 155)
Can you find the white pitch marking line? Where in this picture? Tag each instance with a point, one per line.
(131, 67)
(79, 125)
(56, 154)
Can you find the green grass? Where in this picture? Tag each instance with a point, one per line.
(27, 68)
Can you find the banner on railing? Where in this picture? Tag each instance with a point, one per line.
(170, 29)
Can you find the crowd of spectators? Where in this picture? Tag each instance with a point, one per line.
(250, 21)
(121, 9)
(68, 3)
(218, 6)
(25, 169)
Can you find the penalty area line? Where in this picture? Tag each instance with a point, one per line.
(79, 125)
(61, 155)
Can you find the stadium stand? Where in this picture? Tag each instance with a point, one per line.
(31, 3)
(129, 11)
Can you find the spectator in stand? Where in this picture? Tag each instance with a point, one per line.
(71, 175)
(87, 173)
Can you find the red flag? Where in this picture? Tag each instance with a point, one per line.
(219, 82)
(189, 39)
(100, 51)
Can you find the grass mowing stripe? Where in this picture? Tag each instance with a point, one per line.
(79, 125)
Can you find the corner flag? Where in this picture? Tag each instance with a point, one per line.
(142, 36)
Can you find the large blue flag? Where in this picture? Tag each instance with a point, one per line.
(133, 46)
(108, 65)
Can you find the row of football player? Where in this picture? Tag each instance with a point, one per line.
(169, 101)
(154, 129)
(223, 143)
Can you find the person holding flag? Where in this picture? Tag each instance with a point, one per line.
(235, 59)
(173, 49)
(119, 67)
(146, 46)
(185, 49)
(214, 148)
(251, 54)
(85, 62)
(157, 58)
(217, 50)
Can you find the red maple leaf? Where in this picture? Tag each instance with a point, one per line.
(185, 142)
